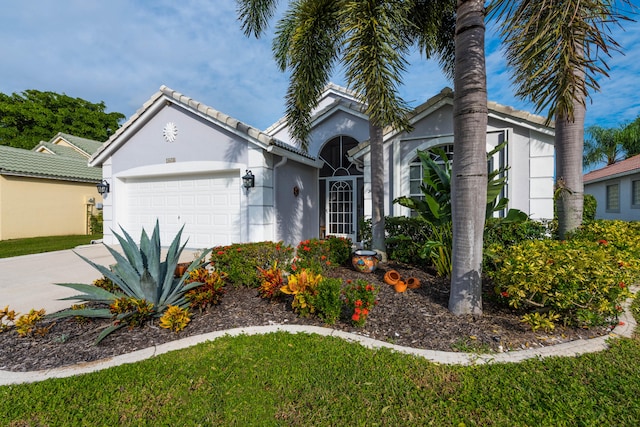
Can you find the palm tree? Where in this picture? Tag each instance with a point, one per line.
(556, 49)
(371, 39)
(602, 144)
(470, 115)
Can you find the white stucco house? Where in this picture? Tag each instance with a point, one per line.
(182, 162)
(617, 190)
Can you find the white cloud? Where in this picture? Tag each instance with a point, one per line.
(120, 52)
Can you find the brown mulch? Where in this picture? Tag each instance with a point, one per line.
(416, 318)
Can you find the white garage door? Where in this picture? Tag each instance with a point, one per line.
(207, 205)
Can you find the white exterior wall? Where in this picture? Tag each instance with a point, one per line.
(627, 211)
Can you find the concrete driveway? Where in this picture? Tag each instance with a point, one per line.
(27, 281)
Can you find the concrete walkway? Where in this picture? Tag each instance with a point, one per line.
(28, 282)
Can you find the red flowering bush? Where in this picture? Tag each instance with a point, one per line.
(360, 298)
(320, 255)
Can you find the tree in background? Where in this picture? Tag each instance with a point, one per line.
(370, 38)
(34, 116)
(557, 50)
(603, 145)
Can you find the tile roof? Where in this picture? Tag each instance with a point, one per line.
(625, 167)
(20, 162)
(60, 150)
(89, 146)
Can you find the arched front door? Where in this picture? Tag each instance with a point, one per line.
(341, 190)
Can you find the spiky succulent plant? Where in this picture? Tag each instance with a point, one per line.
(141, 274)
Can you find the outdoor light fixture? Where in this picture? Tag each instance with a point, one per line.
(103, 187)
(248, 180)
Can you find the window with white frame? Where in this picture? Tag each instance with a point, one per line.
(635, 194)
(416, 172)
(613, 198)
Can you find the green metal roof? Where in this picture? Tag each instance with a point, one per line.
(20, 162)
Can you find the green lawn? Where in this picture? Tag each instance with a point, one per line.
(285, 379)
(34, 245)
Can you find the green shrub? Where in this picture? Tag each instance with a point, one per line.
(500, 234)
(339, 250)
(621, 235)
(328, 301)
(508, 233)
(95, 223)
(240, 261)
(320, 255)
(584, 282)
(589, 208)
(405, 238)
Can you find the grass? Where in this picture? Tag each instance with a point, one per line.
(286, 379)
(304, 379)
(34, 245)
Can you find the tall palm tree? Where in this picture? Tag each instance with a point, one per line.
(557, 50)
(470, 115)
(371, 39)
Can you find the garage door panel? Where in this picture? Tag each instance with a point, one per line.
(207, 206)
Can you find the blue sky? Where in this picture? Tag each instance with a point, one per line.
(122, 51)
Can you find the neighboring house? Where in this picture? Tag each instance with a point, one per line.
(617, 190)
(181, 162)
(48, 191)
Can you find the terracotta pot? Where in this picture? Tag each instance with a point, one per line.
(181, 268)
(400, 286)
(365, 261)
(413, 283)
(391, 277)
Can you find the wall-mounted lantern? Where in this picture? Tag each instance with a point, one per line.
(248, 180)
(103, 187)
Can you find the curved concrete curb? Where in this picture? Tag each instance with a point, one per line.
(625, 328)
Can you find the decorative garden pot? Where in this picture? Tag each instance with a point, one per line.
(400, 286)
(391, 277)
(413, 283)
(181, 268)
(365, 261)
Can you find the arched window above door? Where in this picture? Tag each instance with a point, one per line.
(334, 155)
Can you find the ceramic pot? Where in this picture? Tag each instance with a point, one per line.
(400, 286)
(365, 261)
(413, 283)
(391, 277)
(181, 268)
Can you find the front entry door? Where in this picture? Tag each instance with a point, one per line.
(341, 207)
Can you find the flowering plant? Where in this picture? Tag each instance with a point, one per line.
(360, 298)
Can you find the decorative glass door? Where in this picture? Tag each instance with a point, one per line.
(341, 218)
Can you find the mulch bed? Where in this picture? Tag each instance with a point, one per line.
(416, 318)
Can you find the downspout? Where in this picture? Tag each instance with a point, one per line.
(282, 162)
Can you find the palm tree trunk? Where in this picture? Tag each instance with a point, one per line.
(569, 145)
(377, 192)
(469, 159)
(569, 142)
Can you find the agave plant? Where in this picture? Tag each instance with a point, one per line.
(139, 273)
